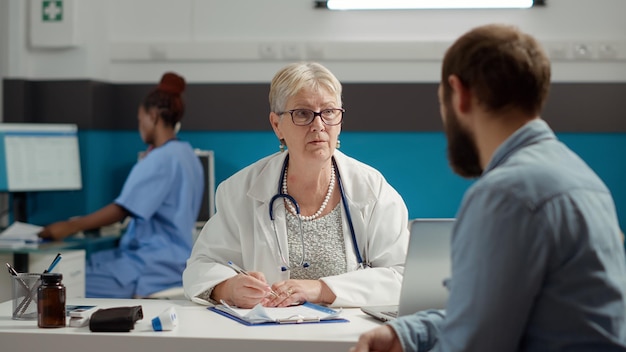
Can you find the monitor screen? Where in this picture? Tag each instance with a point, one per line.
(39, 157)
(207, 207)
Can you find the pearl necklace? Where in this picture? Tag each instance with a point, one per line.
(331, 186)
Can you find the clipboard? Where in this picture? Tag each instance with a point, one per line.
(306, 313)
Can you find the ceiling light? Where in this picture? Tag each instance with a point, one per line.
(427, 4)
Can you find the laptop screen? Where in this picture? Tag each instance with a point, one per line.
(427, 265)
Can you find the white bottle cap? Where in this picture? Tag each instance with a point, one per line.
(165, 321)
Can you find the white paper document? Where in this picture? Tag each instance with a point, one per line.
(20, 234)
(304, 313)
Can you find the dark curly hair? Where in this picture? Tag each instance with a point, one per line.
(167, 98)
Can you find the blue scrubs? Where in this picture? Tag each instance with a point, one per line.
(163, 194)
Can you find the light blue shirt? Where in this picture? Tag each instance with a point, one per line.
(537, 258)
(163, 193)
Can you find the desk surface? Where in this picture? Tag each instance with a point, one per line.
(90, 244)
(198, 329)
(99, 242)
(47, 246)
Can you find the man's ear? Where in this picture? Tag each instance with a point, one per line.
(461, 96)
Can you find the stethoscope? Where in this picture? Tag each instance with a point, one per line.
(303, 262)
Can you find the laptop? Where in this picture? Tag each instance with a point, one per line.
(426, 267)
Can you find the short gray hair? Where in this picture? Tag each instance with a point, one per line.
(292, 78)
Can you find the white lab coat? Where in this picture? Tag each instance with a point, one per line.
(241, 232)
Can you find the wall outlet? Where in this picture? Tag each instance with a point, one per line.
(607, 51)
(292, 51)
(582, 51)
(268, 50)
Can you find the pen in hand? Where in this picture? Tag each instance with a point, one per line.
(239, 270)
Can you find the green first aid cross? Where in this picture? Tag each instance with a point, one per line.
(52, 11)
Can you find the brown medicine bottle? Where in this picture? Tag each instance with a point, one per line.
(51, 301)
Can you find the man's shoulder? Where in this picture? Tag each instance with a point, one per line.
(536, 180)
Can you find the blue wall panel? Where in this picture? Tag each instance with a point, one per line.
(413, 162)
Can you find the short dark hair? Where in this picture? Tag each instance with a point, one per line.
(503, 67)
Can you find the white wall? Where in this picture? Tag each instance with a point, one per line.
(4, 70)
(243, 40)
(4, 37)
(221, 40)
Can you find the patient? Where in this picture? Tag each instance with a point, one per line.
(537, 255)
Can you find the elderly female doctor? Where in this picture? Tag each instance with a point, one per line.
(310, 224)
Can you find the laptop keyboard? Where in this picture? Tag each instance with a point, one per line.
(393, 314)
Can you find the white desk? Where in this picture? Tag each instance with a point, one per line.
(198, 329)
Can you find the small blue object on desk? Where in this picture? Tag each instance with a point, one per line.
(167, 320)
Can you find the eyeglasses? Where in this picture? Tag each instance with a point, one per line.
(304, 117)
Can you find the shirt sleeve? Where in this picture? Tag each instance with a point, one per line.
(146, 186)
(498, 266)
(419, 332)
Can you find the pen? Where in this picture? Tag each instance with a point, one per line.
(22, 306)
(13, 272)
(54, 263)
(239, 270)
(26, 301)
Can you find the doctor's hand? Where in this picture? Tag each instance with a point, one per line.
(382, 338)
(290, 292)
(243, 291)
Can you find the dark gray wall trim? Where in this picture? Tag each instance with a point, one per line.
(571, 107)
(587, 107)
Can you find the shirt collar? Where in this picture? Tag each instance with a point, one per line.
(532, 132)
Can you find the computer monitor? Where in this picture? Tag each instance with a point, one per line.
(207, 207)
(38, 157)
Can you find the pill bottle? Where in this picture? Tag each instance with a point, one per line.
(51, 301)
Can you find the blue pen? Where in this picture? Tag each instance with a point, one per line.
(54, 263)
(237, 268)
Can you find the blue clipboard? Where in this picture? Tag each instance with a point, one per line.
(287, 319)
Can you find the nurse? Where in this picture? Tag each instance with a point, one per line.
(161, 195)
(307, 223)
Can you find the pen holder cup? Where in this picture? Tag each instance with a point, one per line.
(24, 295)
